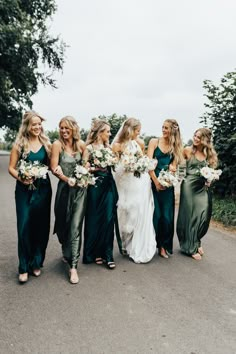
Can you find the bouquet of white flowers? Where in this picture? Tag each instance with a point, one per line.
(82, 177)
(137, 163)
(102, 158)
(168, 179)
(210, 174)
(28, 170)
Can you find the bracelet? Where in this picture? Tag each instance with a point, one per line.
(71, 181)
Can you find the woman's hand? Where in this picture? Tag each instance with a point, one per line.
(158, 186)
(26, 182)
(58, 171)
(208, 184)
(172, 168)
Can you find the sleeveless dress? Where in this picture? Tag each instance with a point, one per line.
(194, 209)
(69, 211)
(135, 211)
(164, 201)
(101, 218)
(33, 217)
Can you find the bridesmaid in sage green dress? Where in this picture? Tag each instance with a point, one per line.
(32, 205)
(70, 200)
(195, 198)
(168, 152)
(101, 212)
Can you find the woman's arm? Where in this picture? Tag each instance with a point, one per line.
(153, 143)
(85, 153)
(56, 169)
(187, 152)
(14, 158)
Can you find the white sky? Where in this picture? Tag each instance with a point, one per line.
(143, 58)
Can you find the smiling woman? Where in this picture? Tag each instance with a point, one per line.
(195, 206)
(168, 152)
(33, 196)
(70, 199)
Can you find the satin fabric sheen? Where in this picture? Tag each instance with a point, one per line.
(33, 218)
(164, 202)
(69, 210)
(195, 208)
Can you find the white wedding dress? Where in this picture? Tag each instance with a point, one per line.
(135, 211)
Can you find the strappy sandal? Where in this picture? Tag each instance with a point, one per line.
(99, 261)
(110, 265)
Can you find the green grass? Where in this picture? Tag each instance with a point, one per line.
(224, 210)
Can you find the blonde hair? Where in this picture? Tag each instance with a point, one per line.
(208, 149)
(23, 136)
(127, 130)
(73, 125)
(175, 142)
(98, 126)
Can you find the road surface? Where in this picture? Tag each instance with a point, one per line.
(167, 306)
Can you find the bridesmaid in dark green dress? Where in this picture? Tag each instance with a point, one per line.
(195, 198)
(32, 206)
(70, 200)
(101, 214)
(168, 151)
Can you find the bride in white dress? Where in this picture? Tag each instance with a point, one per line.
(135, 205)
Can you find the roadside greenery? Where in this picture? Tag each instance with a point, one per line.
(220, 117)
(224, 211)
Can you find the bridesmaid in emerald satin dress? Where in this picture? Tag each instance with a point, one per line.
(32, 206)
(70, 200)
(195, 198)
(101, 211)
(168, 151)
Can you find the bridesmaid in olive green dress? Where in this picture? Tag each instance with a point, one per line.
(168, 152)
(32, 206)
(195, 197)
(70, 200)
(101, 212)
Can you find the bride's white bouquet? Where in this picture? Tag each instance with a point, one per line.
(168, 179)
(210, 174)
(102, 158)
(82, 177)
(28, 170)
(137, 163)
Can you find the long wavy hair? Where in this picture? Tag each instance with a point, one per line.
(98, 126)
(73, 125)
(126, 132)
(208, 149)
(175, 142)
(23, 136)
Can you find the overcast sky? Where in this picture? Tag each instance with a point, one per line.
(143, 58)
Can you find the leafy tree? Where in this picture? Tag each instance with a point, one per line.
(220, 116)
(53, 135)
(28, 55)
(84, 134)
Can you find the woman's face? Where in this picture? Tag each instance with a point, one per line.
(105, 134)
(66, 133)
(166, 130)
(35, 126)
(197, 139)
(136, 132)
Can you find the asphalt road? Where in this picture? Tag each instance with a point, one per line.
(167, 306)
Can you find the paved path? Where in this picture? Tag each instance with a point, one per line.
(167, 306)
